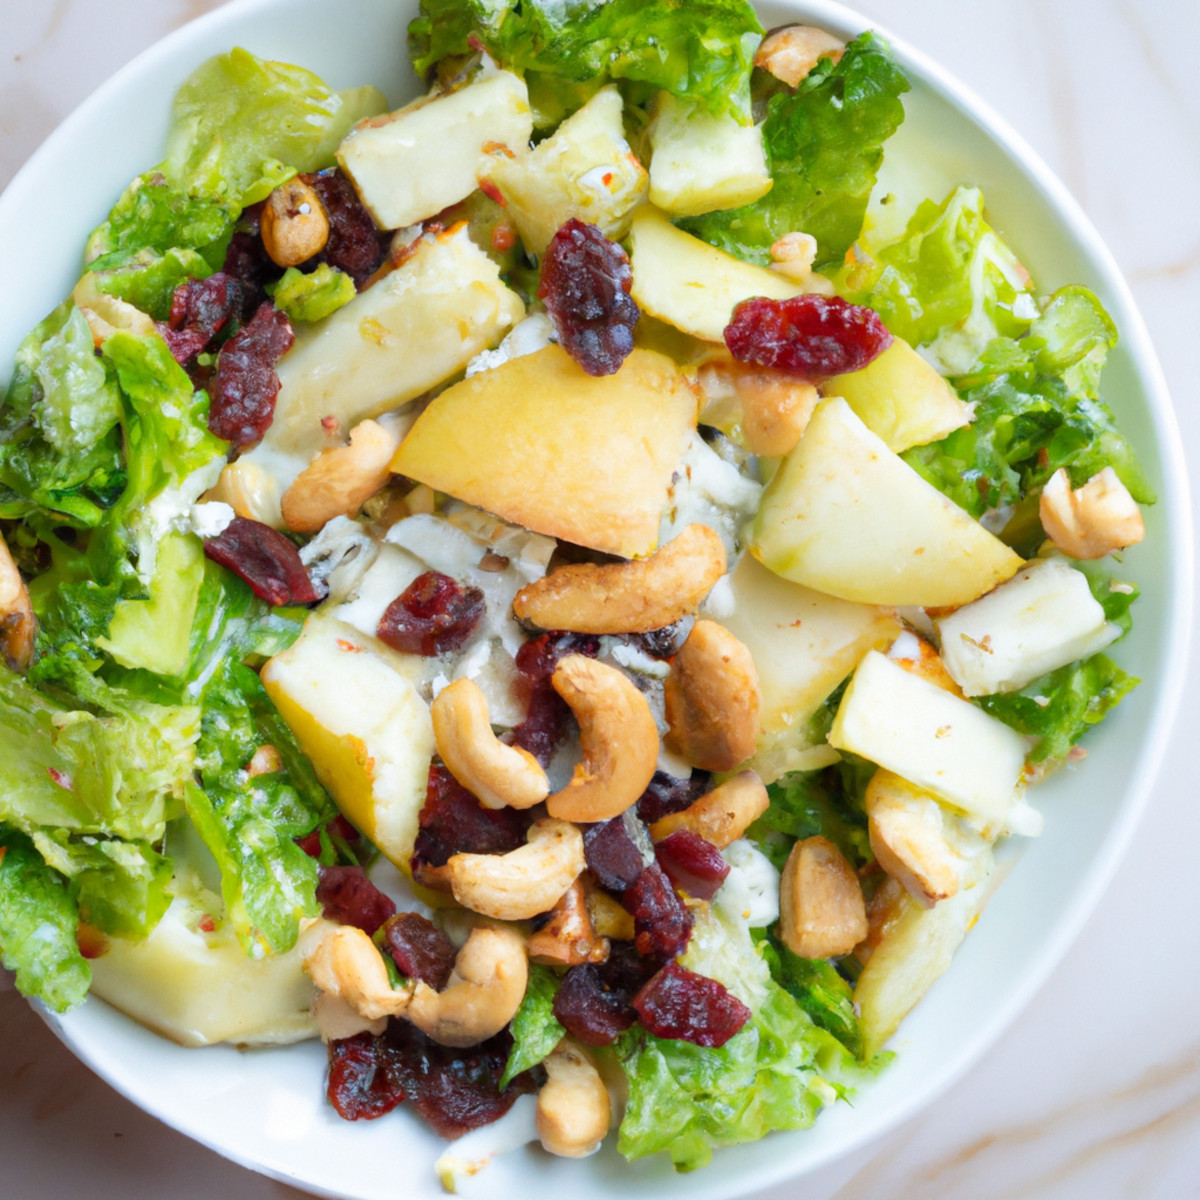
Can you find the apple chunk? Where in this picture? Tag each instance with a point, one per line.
(845, 515)
(539, 442)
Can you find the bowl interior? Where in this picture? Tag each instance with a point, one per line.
(266, 1108)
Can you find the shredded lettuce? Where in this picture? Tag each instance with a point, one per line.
(311, 296)
(535, 1029)
(807, 803)
(824, 144)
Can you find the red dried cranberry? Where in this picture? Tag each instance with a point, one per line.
(265, 559)
(585, 285)
(248, 263)
(200, 309)
(593, 1002)
(363, 1082)
(810, 337)
(678, 1003)
(455, 1090)
(355, 243)
(547, 714)
(419, 949)
(668, 794)
(433, 615)
(452, 820)
(350, 898)
(692, 864)
(244, 385)
(339, 827)
(662, 921)
(612, 855)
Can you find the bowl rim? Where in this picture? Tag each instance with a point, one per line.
(1174, 497)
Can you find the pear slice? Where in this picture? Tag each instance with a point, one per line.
(539, 442)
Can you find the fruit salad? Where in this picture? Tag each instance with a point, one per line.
(545, 588)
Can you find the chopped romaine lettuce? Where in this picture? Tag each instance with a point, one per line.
(535, 1029)
(309, 297)
(824, 146)
(148, 280)
(701, 50)
(807, 803)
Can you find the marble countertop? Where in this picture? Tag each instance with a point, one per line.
(1095, 1090)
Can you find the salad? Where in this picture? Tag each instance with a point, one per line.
(545, 588)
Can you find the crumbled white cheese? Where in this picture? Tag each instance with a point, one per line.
(750, 893)
(721, 602)
(339, 556)
(172, 511)
(535, 332)
(710, 491)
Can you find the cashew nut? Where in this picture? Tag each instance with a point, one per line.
(712, 699)
(568, 938)
(340, 480)
(573, 1110)
(482, 994)
(722, 815)
(17, 624)
(790, 53)
(1093, 520)
(294, 224)
(821, 906)
(249, 490)
(337, 1019)
(618, 740)
(346, 963)
(627, 597)
(523, 882)
(774, 407)
(497, 775)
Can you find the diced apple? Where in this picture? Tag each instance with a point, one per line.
(804, 643)
(539, 442)
(585, 169)
(845, 515)
(701, 161)
(412, 163)
(911, 947)
(198, 988)
(356, 712)
(900, 397)
(930, 737)
(1044, 617)
(690, 284)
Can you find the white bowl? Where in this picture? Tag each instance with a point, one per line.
(265, 1109)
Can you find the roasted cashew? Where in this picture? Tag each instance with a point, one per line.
(722, 815)
(497, 775)
(346, 963)
(17, 624)
(627, 597)
(617, 737)
(712, 699)
(790, 53)
(568, 938)
(524, 882)
(821, 906)
(774, 407)
(573, 1110)
(340, 480)
(1093, 520)
(337, 1018)
(481, 996)
(294, 224)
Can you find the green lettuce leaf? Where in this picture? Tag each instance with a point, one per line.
(701, 50)
(313, 296)
(148, 280)
(535, 1029)
(807, 803)
(38, 923)
(824, 146)
(242, 125)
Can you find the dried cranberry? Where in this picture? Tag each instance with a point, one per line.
(419, 949)
(810, 337)
(612, 855)
(350, 898)
(692, 864)
(356, 245)
(678, 1003)
(248, 263)
(594, 1002)
(339, 827)
(453, 821)
(668, 794)
(200, 309)
(661, 919)
(244, 384)
(433, 615)
(585, 285)
(363, 1081)
(454, 1089)
(547, 715)
(265, 559)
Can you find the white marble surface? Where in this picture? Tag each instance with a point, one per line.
(1094, 1094)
